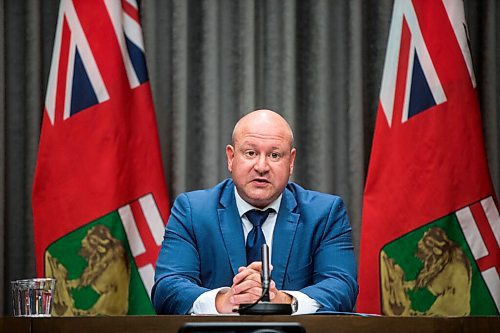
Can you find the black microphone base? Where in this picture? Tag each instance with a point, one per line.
(267, 308)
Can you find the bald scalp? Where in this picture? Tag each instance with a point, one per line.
(260, 118)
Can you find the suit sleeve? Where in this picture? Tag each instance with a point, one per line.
(335, 284)
(177, 275)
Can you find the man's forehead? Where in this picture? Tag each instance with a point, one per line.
(257, 139)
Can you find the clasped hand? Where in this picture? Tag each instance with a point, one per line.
(247, 288)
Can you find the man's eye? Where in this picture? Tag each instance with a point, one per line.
(249, 153)
(275, 156)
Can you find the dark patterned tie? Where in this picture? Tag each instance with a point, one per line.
(255, 237)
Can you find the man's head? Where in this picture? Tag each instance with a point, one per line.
(261, 157)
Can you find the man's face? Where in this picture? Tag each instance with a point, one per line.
(261, 162)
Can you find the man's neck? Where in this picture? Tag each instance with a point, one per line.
(243, 206)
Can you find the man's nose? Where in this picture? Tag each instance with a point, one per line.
(261, 164)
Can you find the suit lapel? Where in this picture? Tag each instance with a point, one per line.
(283, 236)
(231, 228)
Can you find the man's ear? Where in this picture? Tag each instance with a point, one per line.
(293, 152)
(230, 157)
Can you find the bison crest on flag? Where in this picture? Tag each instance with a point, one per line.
(103, 263)
(435, 275)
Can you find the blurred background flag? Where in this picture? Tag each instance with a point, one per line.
(430, 228)
(99, 196)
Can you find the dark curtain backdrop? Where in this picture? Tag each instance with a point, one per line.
(317, 62)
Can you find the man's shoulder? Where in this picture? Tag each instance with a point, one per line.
(310, 197)
(210, 194)
(313, 205)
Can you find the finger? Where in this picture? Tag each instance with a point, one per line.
(256, 265)
(255, 277)
(244, 274)
(256, 291)
(272, 285)
(272, 290)
(245, 285)
(250, 280)
(244, 298)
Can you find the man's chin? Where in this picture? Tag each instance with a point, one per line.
(259, 201)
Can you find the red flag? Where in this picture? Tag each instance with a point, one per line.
(431, 229)
(99, 197)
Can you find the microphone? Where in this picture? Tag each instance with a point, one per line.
(266, 273)
(263, 306)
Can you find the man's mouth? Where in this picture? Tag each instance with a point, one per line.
(260, 181)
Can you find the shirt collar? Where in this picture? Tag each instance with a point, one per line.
(244, 206)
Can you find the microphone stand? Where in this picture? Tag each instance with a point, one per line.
(263, 306)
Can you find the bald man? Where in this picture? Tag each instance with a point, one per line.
(204, 266)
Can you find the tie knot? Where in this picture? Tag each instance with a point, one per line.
(257, 217)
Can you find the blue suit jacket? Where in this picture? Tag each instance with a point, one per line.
(204, 246)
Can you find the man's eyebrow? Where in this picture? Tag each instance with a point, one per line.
(247, 144)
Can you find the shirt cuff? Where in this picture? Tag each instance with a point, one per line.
(205, 303)
(305, 304)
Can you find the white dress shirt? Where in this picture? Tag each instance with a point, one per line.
(205, 303)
